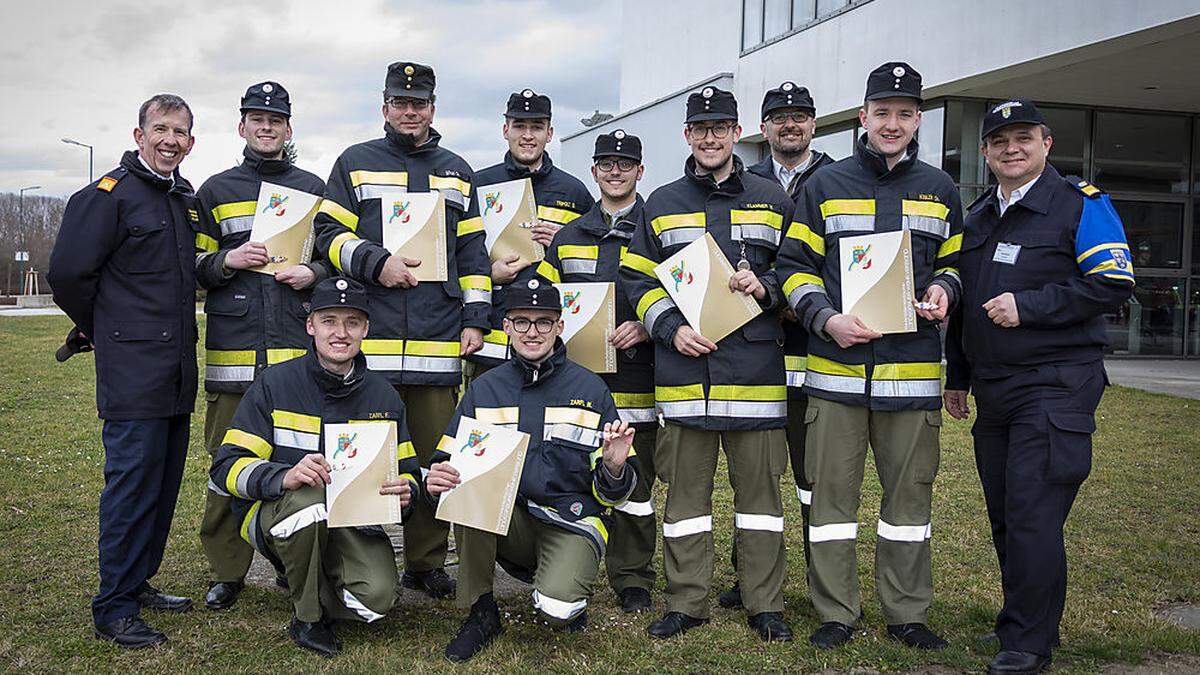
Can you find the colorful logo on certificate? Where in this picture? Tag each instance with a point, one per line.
(400, 210)
(492, 203)
(861, 256)
(571, 301)
(276, 203)
(680, 275)
(475, 442)
(345, 445)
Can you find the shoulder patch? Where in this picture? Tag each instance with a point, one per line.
(106, 184)
(1088, 190)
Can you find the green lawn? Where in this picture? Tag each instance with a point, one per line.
(1133, 541)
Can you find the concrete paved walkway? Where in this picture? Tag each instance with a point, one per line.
(1177, 377)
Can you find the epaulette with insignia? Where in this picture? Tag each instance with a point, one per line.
(1083, 186)
(109, 181)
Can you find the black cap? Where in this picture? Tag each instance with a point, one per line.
(339, 292)
(892, 79)
(618, 144)
(787, 95)
(1018, 111)
(528, 105)
(533, 294)
(711, 103)
(412, 80)
(268, 96)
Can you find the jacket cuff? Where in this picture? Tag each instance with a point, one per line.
(951, 293)
(818, 323)
(666, 326)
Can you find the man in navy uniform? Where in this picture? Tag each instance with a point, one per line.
(1043, 258)
(123, 270)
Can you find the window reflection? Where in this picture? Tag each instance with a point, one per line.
(1141, 153)
(1151, 322)
(1154, 231)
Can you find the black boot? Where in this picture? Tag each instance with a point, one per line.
(672, 624)
(916, 635)
(318, 636)
(831, 634)
(771, 627)
(634, 600)
(151, 598)
(130, 632)
(481, 627)
(732, 598)
(434, 583)
(222, 594)
(1010, 662)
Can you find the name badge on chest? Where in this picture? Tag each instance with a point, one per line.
(1006, 253)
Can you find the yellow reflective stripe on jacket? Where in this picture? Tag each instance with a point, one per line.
(638, 263)
(950, 246)
(248, 441)
(1101, 247)
(509, 415)
(560, 216)
(280, 355)
(235, 470)
(431, 348)
(206, 243)
(794, 363)
(381, 178)
(548, 271)
(687, 392)
(249, 519)
(577, 416)
(756, 216)
(382, 347)
(475, 282)
(643, 400)
(339, 213)
(496, 337)
(287, 419)
(912, 207)
(907, 371)
(404, 450)
(574, 251)
(449, 183)
(817, 364)
(804, 233)
(233, 209)
(445, 442)
(652, 296)
(747, 392)
(469, 226)
(799, 279)
(664, 223)
(229, 357)
(335, 249)
(852, 207)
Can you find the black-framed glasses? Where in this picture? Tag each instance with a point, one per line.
(718, 131)
(521, 324)
(799, 117)
(607, 165)
(402, 102)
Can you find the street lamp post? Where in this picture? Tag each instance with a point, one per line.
(90, 153)
(21, 217)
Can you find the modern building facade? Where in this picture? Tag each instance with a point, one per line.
(1117, 81)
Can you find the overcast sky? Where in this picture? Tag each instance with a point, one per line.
(80, 69)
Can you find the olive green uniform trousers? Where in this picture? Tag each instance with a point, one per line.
(228, 554)
(630, 555)
(428, 410)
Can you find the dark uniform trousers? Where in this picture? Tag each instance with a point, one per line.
(229, 555)
(1033, 449)
(143, 468)
(629, 559)
(428, 410)
(343, 573)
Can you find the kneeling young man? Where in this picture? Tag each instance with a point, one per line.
(575, 469)
(272, 462)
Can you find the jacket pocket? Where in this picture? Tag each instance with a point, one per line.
(227, 303)
(1070, 457)
(140, 331)
(763, 327)
(145, 249)
(811, 413)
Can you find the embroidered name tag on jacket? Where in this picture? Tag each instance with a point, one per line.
(1006, 253)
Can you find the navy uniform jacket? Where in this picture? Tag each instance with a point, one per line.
(563, 407)
(123, 269)
(591, 249)
(415, 332)
(253, 320)
(742, 385)
(1061, 252)
(795, 337)
(561, 198)
(282, 418)
(856, 196)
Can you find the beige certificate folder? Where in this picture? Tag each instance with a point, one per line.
(489, 460)
(283, 223)
(414, 226)
(877, 280)
(361, 456)
(509, 211)
(697, 279)
(589, 318)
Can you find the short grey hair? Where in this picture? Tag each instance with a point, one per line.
(165, 103)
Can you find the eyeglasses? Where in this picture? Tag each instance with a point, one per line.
(784, 118)
(699, 133)
(521, 324)
(400, 103)
(607, 165)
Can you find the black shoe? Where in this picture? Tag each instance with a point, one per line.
(222, 594)
(577, 624)
(481, 627)
(318, 636)
(152, 598)
(130, 632)
(672, 624)
(731, 599)
(771, 627)
(916, 635)
(434, 583)
(634, 600)
(1010, 662)
(990, 639)
(831, 634)
(282, 582)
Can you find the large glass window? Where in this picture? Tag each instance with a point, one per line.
(963, 121)
(803, 11)
(777, 18)
(837, 144)
(1152, 321)
(1069, 128)
(1154, 231)
(752, 23)
(1139, 152)
(1196, 236)
(929, 136)
(827, 6)
(1193, 340)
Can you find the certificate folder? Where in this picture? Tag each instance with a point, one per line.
(489, 460)
(283, 223)
(361, 456)
(877, 280)
(509, 211)
(414, 226)
(589, 317)
(697, 279)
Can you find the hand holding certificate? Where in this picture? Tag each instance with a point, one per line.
(697, 279)
(414, 226)
(488, 460)
(877, 280)
(361, 457)
(283, 223)
(589, 314)
(509, 213)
